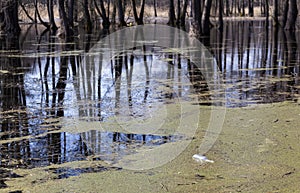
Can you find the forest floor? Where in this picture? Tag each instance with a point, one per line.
(257, 151)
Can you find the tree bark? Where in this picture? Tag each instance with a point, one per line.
(251, 8)
(275, 13)
(197, 24)
(178, 13)
(285, 13)
(227, 11)
(87, 16)
(183, 13)
(121, 13)
(267, 13)
(102, 12)
(206, 14)
(68, 31)
(39, 16)
(51, 15)
(220, 16)
(71, 12)
(138, 18)
(155, 7)
(172, 18)
(292, 15)
(10, 17)
(26, 12)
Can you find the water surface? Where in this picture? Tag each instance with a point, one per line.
(56, 108)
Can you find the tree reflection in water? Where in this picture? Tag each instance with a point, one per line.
(37, 93)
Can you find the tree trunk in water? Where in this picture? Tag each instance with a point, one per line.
(227, 12)
(155, 6)
(292, 15)
(102, 12)
(87, 16)
(220, 16)
(121, 13)
(191, 8)
(251, 8)
(243, 8)
(138, 19)
(114, 12)
(275, 13)
(68, 32)
(142, 11)
(53, 26)
(183, 13)
(285, 12)
(76, 11)
(172, 18)
(206, 14)
(38, 14)
(178, 13)
(10, 17)
(197, 24)
(26, 12)
(71, 13)
(267, 13)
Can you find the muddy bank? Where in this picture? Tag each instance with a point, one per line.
(257, 151)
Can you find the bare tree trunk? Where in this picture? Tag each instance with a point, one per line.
(10, 17)
(243, 8)
(285, 13)
(39, 16)
(172, 17)
(292, 15)
(183, 13)
(71, 12)
(138, 19)
(178, 13)
(267, 13)
(26, 12)
(76, 11)
(155, 6)
(102, 12)
(197, 24)
(251, 8)
(191, 8)
(221, 16)
(275, 13)
(121, 13)
(87, 16)
(227, 11)
(206, 14)
(114, 12)
(68, 31)
(262, 7)
(53, 26)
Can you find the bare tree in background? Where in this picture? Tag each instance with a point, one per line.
(104, 15)
(172, 17)
(9, 17)
(51, 15)
(275, 13)
(292, 15)
(206, 15)
(139, 19)
(121, 13)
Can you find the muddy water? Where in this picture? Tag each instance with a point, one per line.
(60, 117)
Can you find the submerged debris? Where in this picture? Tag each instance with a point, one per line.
(201, 159)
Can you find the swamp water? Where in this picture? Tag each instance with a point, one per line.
(65, 124)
